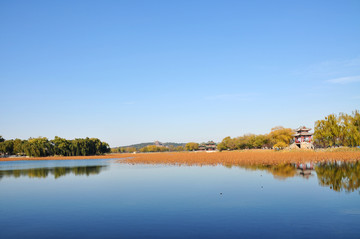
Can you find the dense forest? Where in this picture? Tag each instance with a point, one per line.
(42, 147)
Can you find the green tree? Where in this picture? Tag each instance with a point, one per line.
(338, 130)
(260, 141)
(180, 148)
(38, 147)
(350, 130)
(227, 144)
(61, 146)
(191, 146)
(153, 148)
(19, 146)
(7, 147)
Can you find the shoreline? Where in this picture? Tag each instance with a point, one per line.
(214, 158)
(107, 156)
(251, 156)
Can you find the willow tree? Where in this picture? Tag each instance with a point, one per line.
(280, 137)
(350, 129)
(191, 146)
(338, 130)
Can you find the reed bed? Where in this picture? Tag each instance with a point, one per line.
(246, 157)
(265, 157)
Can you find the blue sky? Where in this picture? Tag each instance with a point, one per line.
(179, 71)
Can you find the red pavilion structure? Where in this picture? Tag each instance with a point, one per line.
(302, 135)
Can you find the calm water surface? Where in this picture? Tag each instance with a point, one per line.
(105, 199)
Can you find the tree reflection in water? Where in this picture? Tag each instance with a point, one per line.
(280, 171)
(57, 171)
(336, 175)
(339, 175)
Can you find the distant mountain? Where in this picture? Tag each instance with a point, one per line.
(142, 145)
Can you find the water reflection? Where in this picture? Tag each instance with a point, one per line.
(56, 171)
(282, 171)
(339, 175)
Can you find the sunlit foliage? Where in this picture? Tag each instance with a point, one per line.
(191, 146)
(123, 150)
(279, 137)
(42, 147)
(341, 130)
(153, 148)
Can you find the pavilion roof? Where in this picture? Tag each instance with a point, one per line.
(303, 134)
(211, 143)
(302, 128)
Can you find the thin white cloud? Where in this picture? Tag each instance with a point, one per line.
(330, 69)
(345, 80)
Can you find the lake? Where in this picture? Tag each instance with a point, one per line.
(103, 198)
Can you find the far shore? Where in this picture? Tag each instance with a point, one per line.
(106, 156)
(214, 158)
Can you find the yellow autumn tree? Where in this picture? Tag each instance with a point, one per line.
(280, 137)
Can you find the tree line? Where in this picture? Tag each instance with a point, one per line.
(148, 148)
(42, 147)
(334, 130)
(154, 148)
(279, 137)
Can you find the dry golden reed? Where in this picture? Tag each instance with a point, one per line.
(245, 157)
(240, 157)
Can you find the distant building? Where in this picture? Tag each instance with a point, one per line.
(158, 143)
(303, 138)
(209, 146)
